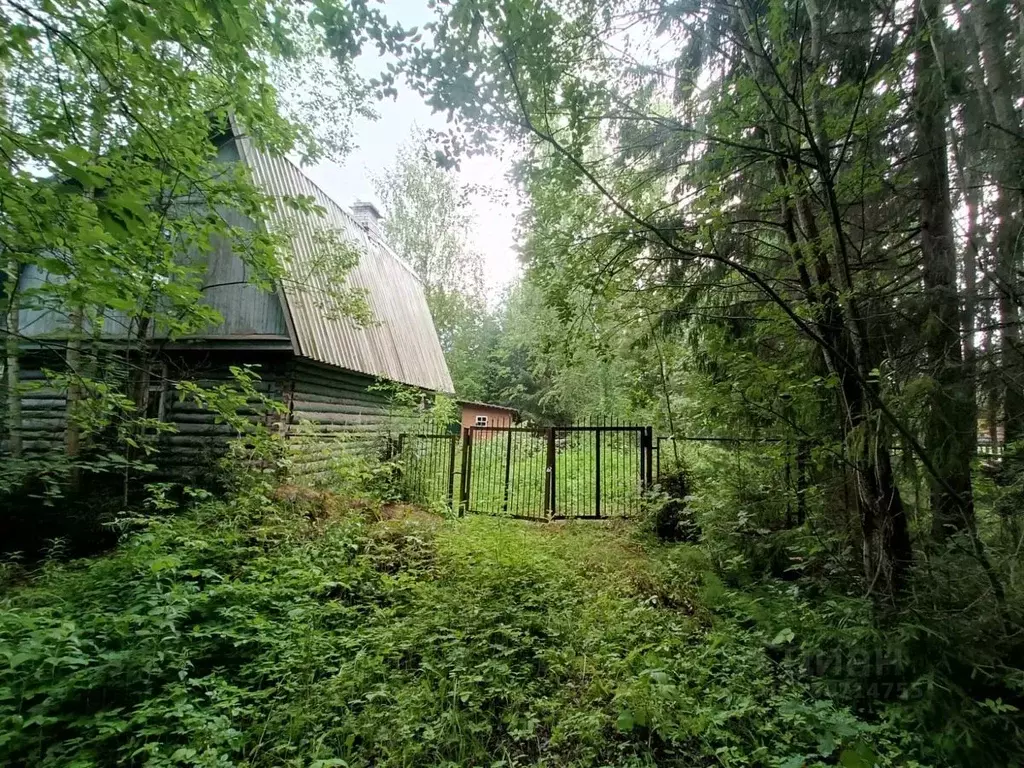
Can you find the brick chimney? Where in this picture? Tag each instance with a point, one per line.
(368, 217)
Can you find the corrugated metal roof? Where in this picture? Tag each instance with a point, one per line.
(478, 404)
(402, 343)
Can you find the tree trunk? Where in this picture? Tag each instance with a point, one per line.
(886, 546)
(950, 433)
(1010, 352)
(73, 364)
(12, 338)
(971, 261)
(989, 23)
(12, 362)
(141, 373)
(989, 382)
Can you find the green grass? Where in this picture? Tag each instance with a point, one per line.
(262, 634)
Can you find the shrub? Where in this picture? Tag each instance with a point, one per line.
(201, 626)
(671, 518)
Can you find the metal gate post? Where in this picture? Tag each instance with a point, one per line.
(597, 472)
(467, 468)
(549, 476)
(508, 469)
(648, 449)
(452, 441)
(641, 443)
(396, 455)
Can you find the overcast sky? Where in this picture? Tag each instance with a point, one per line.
(377, 141)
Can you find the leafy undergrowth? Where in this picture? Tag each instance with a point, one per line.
(254, 634)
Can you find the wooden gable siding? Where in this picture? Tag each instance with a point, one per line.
(246, 309)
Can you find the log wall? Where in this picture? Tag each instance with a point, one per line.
(330, 411)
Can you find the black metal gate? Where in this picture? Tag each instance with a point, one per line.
(536, 473)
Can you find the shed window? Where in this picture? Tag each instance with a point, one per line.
(156, 399)
(481, 421)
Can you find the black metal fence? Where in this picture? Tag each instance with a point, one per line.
(529, 472)
(428, 462)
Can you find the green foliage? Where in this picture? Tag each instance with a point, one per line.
(251, 631)
(946, 679)
(667, 512)
(156, 651)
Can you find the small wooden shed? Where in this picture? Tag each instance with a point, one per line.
(476, 414)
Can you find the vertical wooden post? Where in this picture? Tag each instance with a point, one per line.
(508, 468)
(597, 471)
